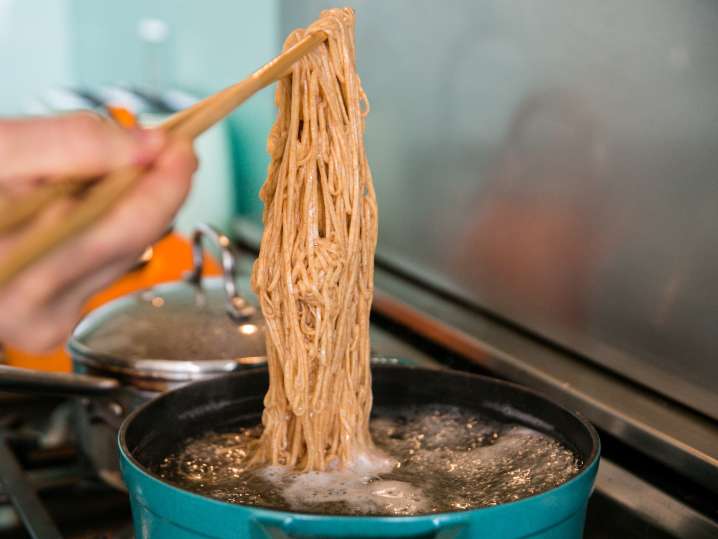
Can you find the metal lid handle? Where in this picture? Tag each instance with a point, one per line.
(57, 383)
(237, 307)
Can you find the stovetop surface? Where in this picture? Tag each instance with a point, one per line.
(83, 507)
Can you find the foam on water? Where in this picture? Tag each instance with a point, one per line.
(429, 459)
(362, 494)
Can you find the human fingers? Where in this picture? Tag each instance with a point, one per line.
(115, 241)
(79, 144)
(38, 330)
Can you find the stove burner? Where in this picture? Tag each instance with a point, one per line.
(53, 491)
(23, 496)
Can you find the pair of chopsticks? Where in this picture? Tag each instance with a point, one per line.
(105, 192)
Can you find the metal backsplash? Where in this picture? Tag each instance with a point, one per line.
(555, 162)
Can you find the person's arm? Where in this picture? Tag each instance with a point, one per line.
(40, 306)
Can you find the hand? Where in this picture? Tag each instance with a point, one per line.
(39, 308)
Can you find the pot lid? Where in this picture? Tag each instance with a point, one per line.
(178, 331)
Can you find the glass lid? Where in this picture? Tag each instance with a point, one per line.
(178, 330)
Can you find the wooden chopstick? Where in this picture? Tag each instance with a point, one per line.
(223, 103)
(189, 124)
(14, 212)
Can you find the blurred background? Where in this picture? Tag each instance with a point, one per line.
(552, 163)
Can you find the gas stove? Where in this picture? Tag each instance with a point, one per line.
(48, 491)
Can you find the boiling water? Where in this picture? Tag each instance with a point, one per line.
(431, 459)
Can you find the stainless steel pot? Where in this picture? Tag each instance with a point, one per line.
(136, 347)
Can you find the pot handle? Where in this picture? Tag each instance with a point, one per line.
(291, 528)
(15, 379)
(237, 307)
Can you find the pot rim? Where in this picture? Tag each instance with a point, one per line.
(588, 466)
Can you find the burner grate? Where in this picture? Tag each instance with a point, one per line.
(46, 490)
(18, 488)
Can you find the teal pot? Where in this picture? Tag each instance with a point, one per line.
(163, 511)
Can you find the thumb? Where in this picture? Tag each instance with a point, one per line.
(81, 144)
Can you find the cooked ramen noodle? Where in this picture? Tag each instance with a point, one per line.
(314, 273)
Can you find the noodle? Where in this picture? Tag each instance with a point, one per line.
(314, 273)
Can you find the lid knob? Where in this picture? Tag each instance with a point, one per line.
(237, 307)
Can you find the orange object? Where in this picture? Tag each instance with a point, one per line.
(122, 116)
(171, 258)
